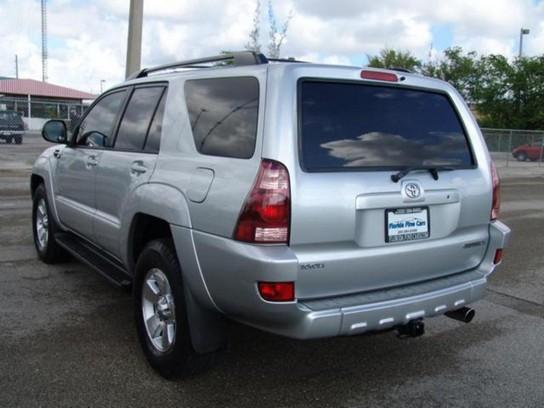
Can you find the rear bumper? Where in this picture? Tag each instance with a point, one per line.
(11, 132)
(230, 270)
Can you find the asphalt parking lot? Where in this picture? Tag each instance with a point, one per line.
(67, 337)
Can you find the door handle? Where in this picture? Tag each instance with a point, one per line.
(91, 161)
(57, 153)
(137, 167)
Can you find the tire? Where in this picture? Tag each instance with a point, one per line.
(521, 156)
(159, 299)
(44, 229)
(9, 139)
(18, 139)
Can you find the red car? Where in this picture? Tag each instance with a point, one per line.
(531, 151)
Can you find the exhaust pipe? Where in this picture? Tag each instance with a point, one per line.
(414, 328)
(465, 314)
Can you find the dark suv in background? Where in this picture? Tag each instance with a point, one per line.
(12, 127)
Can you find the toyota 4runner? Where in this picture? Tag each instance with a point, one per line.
(305, 200)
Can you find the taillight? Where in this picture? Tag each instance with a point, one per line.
(267, 210)
(496, 203)
(277, 291)
(498, 256)
(380, 76)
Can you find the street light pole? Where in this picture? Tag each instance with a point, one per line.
(134, 43)
(522, 32)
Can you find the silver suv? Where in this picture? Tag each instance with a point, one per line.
(302, 199)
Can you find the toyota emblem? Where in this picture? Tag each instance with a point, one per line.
(412, 190)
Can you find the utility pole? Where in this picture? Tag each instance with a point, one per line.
(102, 81)
(134, 43)
(44, 40)
(522, 32)
(16, 66)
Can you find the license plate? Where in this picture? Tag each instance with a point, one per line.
(407, 224)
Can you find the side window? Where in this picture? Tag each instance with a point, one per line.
(137, 118)
(153, 141)
(96, 130)
(223, 114)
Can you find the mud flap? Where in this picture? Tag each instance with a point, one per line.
(207, 328)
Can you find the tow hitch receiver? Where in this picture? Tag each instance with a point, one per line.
(414, 328)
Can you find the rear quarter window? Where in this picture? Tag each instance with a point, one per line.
(223, 114)
(348, 126)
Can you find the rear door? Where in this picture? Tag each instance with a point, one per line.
(354, 228)
(129, 164)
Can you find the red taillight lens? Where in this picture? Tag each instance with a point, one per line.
(277, 291)
(267, 210)
(380, 76)
(498, 256)
(496, 203)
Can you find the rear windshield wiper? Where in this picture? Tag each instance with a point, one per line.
(433, 170)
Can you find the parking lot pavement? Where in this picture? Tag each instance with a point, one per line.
(67, 338)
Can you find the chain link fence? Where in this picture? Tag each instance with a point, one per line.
(515, 148)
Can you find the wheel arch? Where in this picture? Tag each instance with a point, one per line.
(206, 324)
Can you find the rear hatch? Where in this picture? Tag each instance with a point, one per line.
(355, 229)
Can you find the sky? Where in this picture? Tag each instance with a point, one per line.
(87, 39)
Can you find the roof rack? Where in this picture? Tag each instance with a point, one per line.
(239, 58)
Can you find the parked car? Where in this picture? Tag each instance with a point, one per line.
(12, 127)
(302, 199)
(530, 151)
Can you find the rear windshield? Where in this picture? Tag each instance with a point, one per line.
(348, 126)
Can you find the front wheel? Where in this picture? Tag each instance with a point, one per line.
(18, 139)
(44, 228)
(161, 314)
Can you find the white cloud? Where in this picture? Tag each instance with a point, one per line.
(87, 40)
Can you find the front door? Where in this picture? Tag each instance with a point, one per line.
(75, 177)
(77, 164)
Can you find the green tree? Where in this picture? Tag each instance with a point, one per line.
(511, 94)
(458, 68)
(389, 58)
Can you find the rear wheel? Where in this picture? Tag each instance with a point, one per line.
(44, 229)
(18, 139)
(161, 314)
(9, 139)
(521, 156)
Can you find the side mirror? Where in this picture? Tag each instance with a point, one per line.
(54, 131)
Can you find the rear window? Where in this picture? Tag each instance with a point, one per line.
(8, 115)
(137, 118)
(348, 126)
(223, 114)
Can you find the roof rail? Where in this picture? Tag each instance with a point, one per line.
(289, 59)
(399, 69)
(238, 58)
